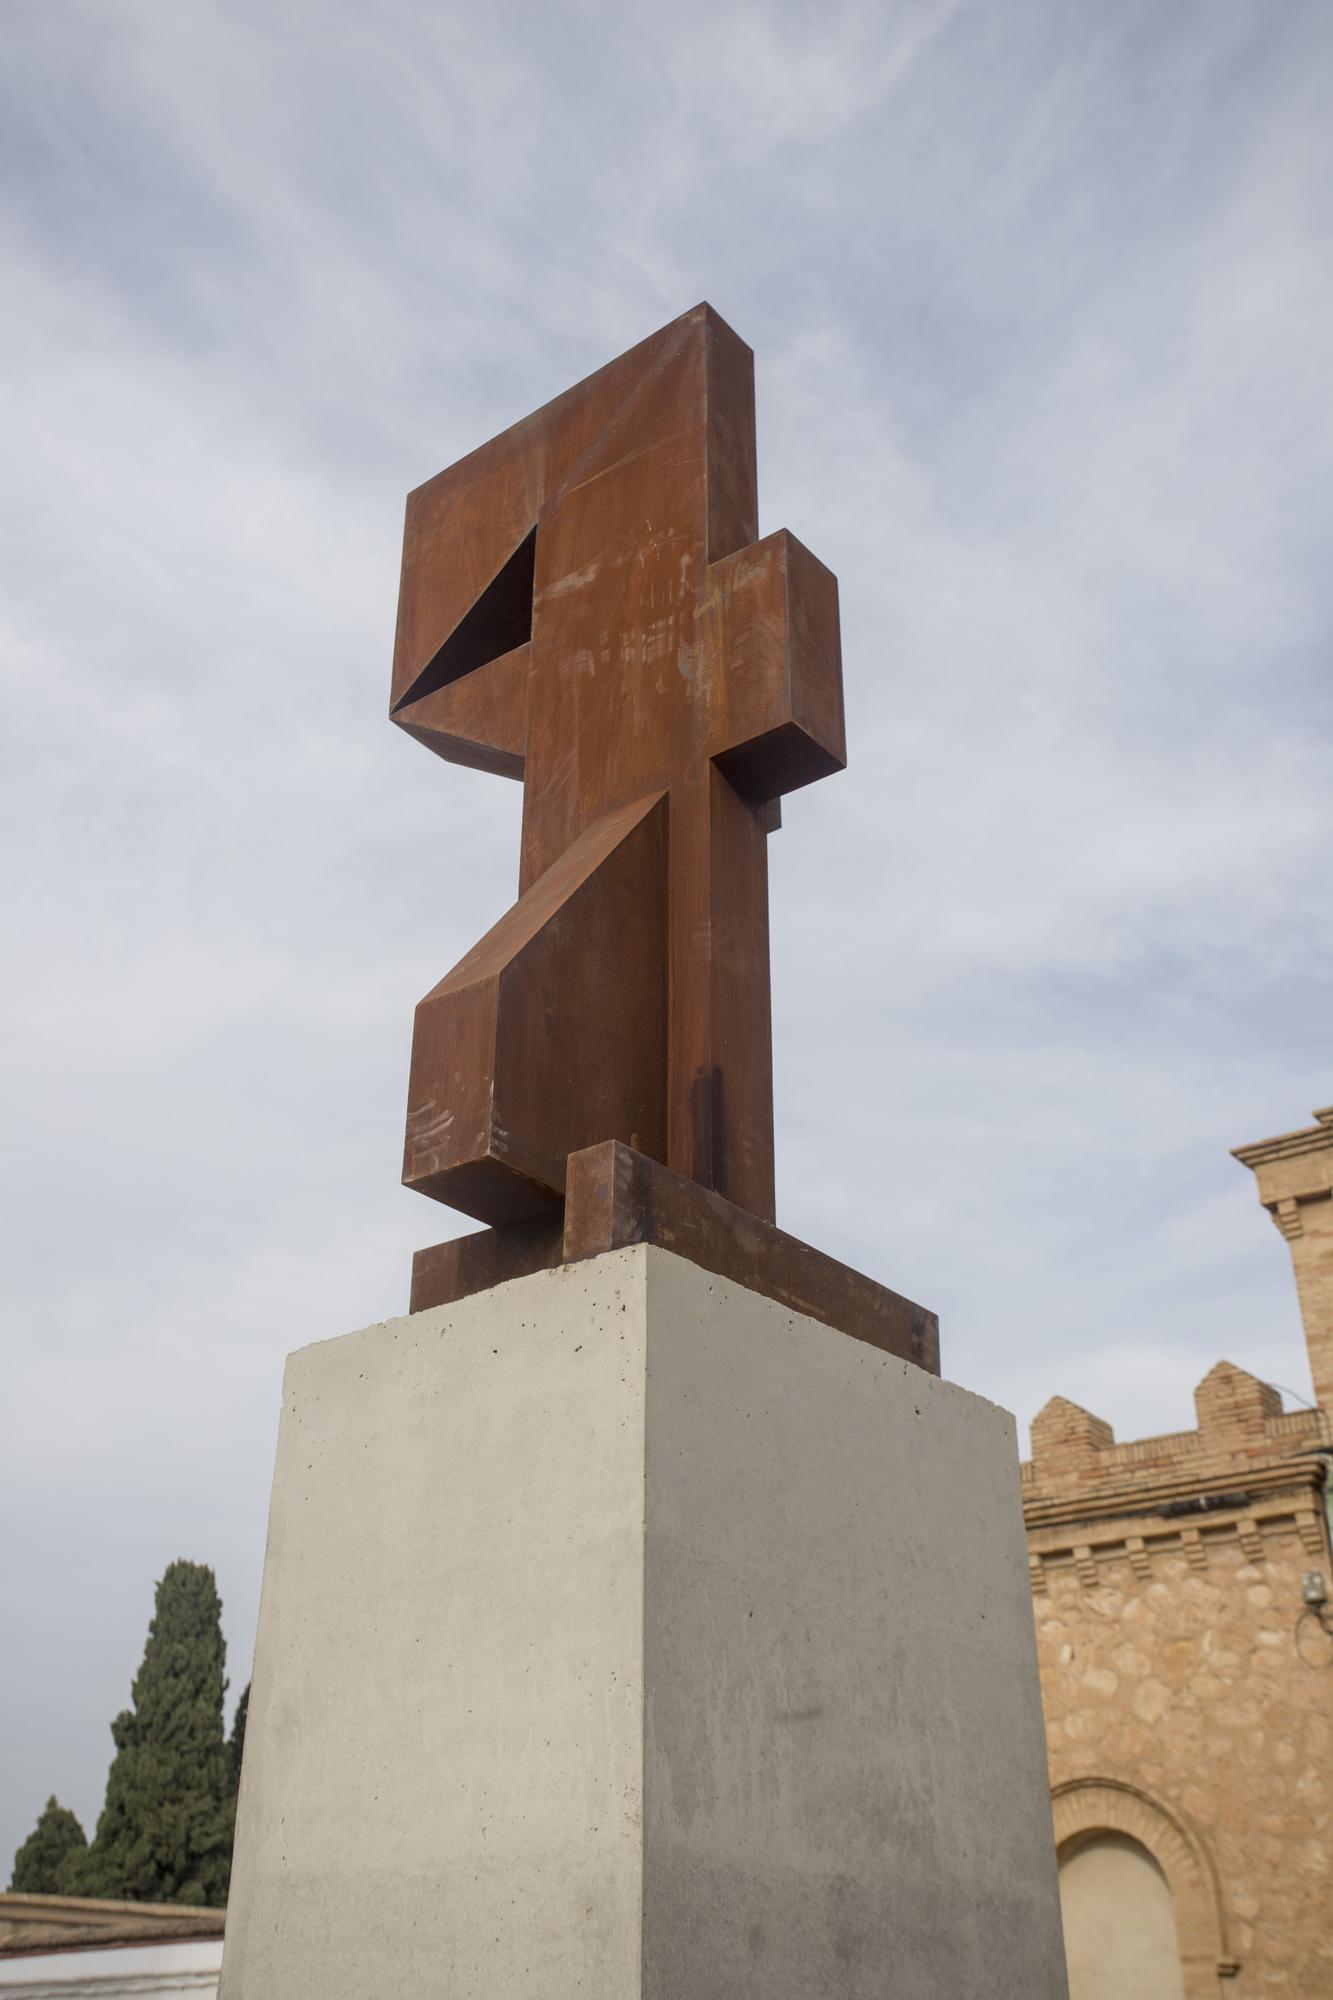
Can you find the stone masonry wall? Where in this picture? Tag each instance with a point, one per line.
(1186, 1684)
(1188, 1693)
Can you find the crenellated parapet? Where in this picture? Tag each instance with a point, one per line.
(1249, 1471)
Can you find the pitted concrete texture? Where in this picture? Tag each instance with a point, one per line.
(844, 1766)
(625, 1634)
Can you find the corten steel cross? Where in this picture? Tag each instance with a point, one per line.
(585, 606)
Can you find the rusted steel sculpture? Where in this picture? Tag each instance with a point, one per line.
(585, 605)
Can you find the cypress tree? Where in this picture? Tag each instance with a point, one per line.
(39, 1863)
(164, 1835)
(236, 1741)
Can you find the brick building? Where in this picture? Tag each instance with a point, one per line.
(1187, 1676)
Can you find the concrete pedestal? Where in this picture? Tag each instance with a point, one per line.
(628, 1636)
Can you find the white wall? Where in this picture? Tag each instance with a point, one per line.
(123, 1972)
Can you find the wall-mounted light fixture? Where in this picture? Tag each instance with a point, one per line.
(1313, 1650)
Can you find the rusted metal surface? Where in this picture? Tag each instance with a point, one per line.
(585, 605)
(615, 1196)
(486, 1257)
(551, 1030)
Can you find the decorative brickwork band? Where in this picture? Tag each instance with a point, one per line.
(1196, 1555)
(1250, 1539)
(1309, 1527)
(1139, 1560)
(1287, 1216)
(1086, 1566)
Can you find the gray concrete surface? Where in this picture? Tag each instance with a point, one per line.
(624, 1634)
(845, 1769)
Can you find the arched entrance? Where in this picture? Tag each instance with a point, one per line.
(1120, 1928)
(1122, 1851)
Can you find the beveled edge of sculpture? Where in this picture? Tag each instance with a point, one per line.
(615, 1197)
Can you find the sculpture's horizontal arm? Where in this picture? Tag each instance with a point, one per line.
(771, 625)
(480, 720)
(461, 653)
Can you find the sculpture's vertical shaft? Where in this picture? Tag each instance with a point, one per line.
(720, 1097)
(720, 1093)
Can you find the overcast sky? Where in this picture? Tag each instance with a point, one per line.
(1041, 297)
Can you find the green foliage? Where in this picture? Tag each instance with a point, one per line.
(165, 1831)
(236, 1741)
(39, 1862)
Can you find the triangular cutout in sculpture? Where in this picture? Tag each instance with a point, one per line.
(500, 620)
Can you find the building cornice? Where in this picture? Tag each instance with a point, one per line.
(1112, 1501)
(1315, 1138)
